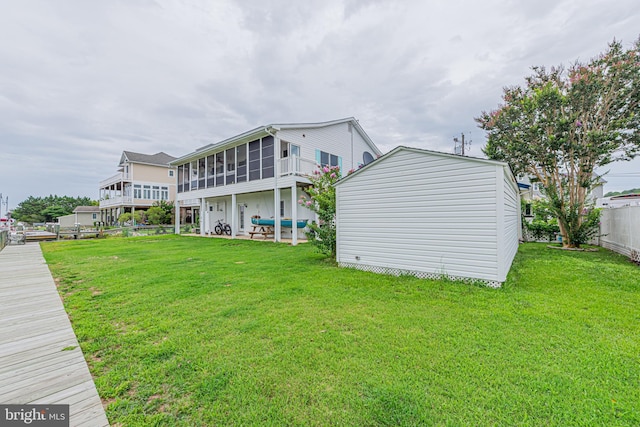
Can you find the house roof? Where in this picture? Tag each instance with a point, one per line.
(262, 131)
(626, 196)
(91, 209)
(159, 159)
(431, 152)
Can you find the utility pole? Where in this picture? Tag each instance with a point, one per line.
(459, 145)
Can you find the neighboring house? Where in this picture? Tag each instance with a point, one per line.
(85, 216)
(619, 201)
(264, 171)
(535, 189)
(142, 180)
(429, 214)
(531, 191)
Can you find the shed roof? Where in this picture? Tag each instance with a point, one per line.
(426, 152)
(91, 209)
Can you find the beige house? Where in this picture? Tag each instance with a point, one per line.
(142, 180)
(85, 216)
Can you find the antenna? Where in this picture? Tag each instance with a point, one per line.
(460, 145)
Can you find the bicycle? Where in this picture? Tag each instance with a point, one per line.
(221, 227)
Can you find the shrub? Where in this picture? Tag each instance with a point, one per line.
(322, 200)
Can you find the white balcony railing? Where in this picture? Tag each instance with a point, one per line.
(113, 179)
(115, 201)
(297, 166)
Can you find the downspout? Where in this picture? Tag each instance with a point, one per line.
(352, 163)
(276, 194)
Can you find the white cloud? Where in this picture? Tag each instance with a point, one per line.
(83, 81)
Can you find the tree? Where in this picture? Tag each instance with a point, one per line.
(563, 124)
(160, 213)
(139, 216)
(47, 209)
(323, 201)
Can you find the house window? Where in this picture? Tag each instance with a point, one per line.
(156, 192)
(202, 169)
(254, 160)
(94, 216)
(170, 173)
(164, 193)
(180, 178)
(536, 186)
(267, 157)
(137, 191)
(327, 159)
(194, 175)
(211, 171)
(527, 210)
(146, 192)
(287, 149)
(220, 169)
(241, 154)
(185, 181)
(231, 165)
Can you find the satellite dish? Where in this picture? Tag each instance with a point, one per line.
(367, 158)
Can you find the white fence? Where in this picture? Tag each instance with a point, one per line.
(620, 230)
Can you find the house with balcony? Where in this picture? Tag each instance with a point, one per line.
(263, 172)
(142, 180)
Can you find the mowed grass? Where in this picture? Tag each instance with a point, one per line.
(196, 332)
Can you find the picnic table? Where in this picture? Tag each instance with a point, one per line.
(263, 230)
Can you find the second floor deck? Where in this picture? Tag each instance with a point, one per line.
(201, 175)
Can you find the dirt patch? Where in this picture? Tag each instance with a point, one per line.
(573, 249)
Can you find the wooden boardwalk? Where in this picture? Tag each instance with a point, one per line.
(40, 359)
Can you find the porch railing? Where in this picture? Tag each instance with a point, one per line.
(115, 200)
(297, 166)
(113, 179)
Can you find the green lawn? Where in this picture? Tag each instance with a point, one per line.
(193, 331)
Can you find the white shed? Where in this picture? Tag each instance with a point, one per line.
(429, 214)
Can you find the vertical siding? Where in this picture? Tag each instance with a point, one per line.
(620, 230)
(421, 212)
(511, 226)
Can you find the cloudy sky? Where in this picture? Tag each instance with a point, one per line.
(81, 81)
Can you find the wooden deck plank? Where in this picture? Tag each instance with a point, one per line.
(34, 330)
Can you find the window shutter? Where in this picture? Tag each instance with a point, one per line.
(340, 164)
(318, 156)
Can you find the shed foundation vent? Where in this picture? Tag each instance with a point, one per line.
(418, 274)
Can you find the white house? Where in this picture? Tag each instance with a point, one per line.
(263, 172)
(429, 214)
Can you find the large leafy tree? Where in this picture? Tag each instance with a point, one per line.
(562, 124)
(47, 209)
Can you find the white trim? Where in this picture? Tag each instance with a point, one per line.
(500, 226)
